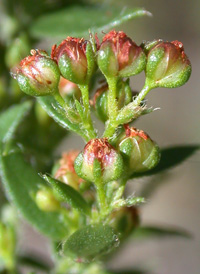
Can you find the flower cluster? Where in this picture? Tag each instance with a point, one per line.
(68, 75)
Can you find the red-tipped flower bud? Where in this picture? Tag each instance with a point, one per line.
(75, 58)
(119, 56)
(167, 65)
(65, 170)
(100, 102)
(68, 90)
(37, 74)
(99, 160)
(139, 152)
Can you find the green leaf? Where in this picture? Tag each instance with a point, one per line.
(11, 118)
(90, 241)
(77, 20)
(59, 114)
(68, 195)
(20, 181)
(34, 262)
(171, 157)
(148, 232)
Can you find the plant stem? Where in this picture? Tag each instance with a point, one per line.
(112, 107)
(101, 195)
(142, 95)
(120, 190)
(59, 99)
(86, 104)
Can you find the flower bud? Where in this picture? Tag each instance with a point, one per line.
(68, 90)
(99, 159)
(139, 152)
(66, 172)
(100, 101)
(75, 58)
(46, 201)
(124, 220)
(119, 56)
(37, 74)
(167, 65)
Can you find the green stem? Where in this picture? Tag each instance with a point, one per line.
(112, 107)
(101, 196)
(142, 95)
(120, 191)
(88, 121)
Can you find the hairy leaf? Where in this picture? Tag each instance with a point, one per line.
(21, 181)
(68, 195)
(77, 20)
(90, 241)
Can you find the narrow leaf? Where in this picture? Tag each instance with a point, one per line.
(20, 181)
(59, 115)
(33, 262)
(68, 195)
(67, 22)
(171, 157)
(11, 118)
(148, 232)
(90, 241)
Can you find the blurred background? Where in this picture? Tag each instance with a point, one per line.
(173, 196)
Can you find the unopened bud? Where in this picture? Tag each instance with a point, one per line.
(66, 172)
(167, 65)
(46, 201)
(68, 90)
(124, 220)
(100, 102)
(99, 154)
(139, 152)
(37, 74)
(75, 58)
(119, 56)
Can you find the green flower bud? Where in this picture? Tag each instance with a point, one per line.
(76, 60)
(100, 101)
(139, 152)
(99, 160)
(124, 220)
(37, 74)
(65, 171)
(46, 201)
(119, 56)
(167, 65)
(18, 49)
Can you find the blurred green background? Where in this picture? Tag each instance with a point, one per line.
(173, 197)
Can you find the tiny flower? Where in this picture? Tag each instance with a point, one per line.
(119, 56)
(75, 59)
(65, 171)
(100, 101)
(46, 201)
(167, 64)
(139, 152)
(99, 157)
(37, 74)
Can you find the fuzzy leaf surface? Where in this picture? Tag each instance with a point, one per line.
(68, 195)
(90, 241)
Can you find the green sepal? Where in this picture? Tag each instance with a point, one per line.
(90, 242)
(68, 194)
